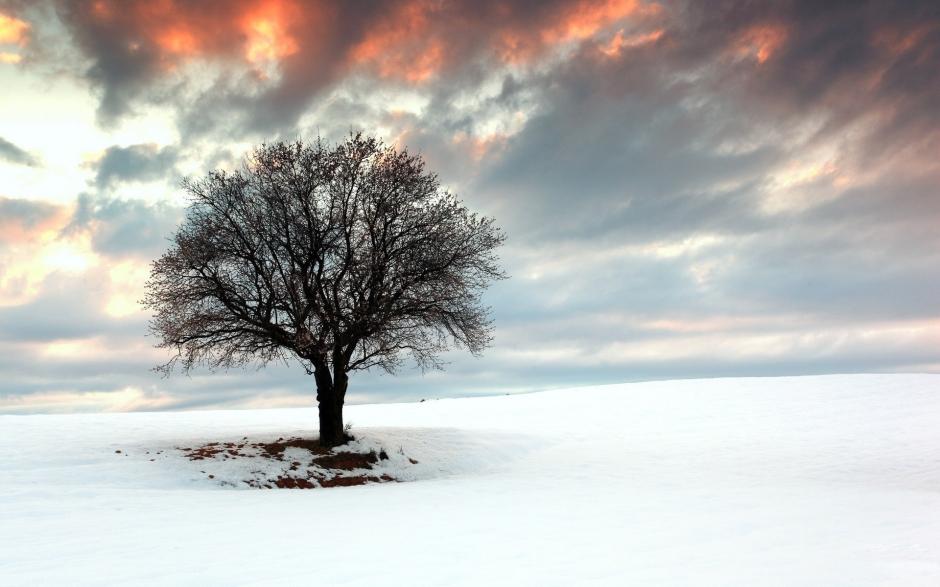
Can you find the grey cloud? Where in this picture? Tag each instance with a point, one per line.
(126, 227)
(14, 154)
(617, 147)
(129, 63)
(843, 60)
(146, 162)
(26, 213)
(828, 49)
(68, 307)
(868, 255)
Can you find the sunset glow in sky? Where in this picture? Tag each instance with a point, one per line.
(690, 189)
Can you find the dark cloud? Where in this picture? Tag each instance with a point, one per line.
(146, 162)
(808, 52)
(13, 154)
(137, 51)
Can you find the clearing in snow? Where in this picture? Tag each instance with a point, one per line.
(293, 463)
(831, 480)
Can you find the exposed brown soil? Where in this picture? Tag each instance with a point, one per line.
(327, 468)
(213, 449)
(354, 480)
(347, 461)
(293, 483)
(276, 449)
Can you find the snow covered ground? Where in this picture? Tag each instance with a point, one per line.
(831, 480)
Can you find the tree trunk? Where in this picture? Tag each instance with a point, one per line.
(330, 400)
(331, 422)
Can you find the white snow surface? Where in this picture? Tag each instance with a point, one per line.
(828, 480)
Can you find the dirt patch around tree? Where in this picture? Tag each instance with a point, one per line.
(291, 463)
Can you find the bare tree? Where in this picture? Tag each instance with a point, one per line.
(343, 257)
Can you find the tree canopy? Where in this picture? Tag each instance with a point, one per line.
(343, 257)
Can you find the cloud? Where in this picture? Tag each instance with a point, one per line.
(30, 247)
(14, 35)
(280, 55)
(147, 162)
(121, 228)
(13, 31)
(42, 243)
(25, 219)
(688, 189)
(14, 154)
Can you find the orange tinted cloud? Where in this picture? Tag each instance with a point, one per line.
(177, 41)
(266, 32)
(24, 221)
(13, 31)
(34, 243)
(621, 42)
(183, 30)
(479, 147)
(571, 22)
(420, 39)
(583, 20)
(411, 41)
(760, 42)
(160, 25)
(296, 49)
(404, 45)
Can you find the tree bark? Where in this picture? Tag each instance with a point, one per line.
(330, 400)
(331, 423)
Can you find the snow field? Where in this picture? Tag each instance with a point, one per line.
(830, 480)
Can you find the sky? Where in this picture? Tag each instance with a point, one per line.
(689, 189)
